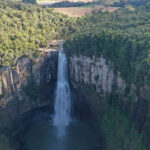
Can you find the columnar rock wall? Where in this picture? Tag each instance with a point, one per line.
(99, 74)
(14, 79)
(96, 72)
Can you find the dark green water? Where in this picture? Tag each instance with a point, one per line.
(42, 135)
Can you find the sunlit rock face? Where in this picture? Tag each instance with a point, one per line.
(96, 72)
(14, 80)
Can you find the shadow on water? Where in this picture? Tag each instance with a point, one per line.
(38, 133)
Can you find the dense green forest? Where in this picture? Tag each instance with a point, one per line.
(24, 28)
(123, 2)
(123, 37)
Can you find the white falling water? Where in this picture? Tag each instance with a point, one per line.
(62, 100)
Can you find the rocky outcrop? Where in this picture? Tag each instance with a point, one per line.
(27, 85)
(98, 74)
(95, 72)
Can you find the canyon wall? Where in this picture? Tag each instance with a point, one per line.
(27, 85)
(95, 71)
(98, 74)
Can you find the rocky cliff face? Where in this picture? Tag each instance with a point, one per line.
(27, 85)
(96, 72)
(99, 74)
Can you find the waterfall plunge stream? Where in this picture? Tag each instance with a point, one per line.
(59, 133)
(62, 100)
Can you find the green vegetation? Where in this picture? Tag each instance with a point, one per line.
(24, 28)
(101, 2)
(123, 37)
(32, 89)
(134, 2)
(122, 3)
(68, 4)
(30, 1)
(119, 132)
(4, 142)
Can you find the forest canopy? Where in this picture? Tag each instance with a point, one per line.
(122, 37)
(25, 27)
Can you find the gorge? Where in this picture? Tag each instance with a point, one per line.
(89, 93)
(40, 130)
(94, 87)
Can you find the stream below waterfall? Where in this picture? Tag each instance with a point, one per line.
(41, 134)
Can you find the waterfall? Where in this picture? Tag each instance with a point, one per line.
(62, 99)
